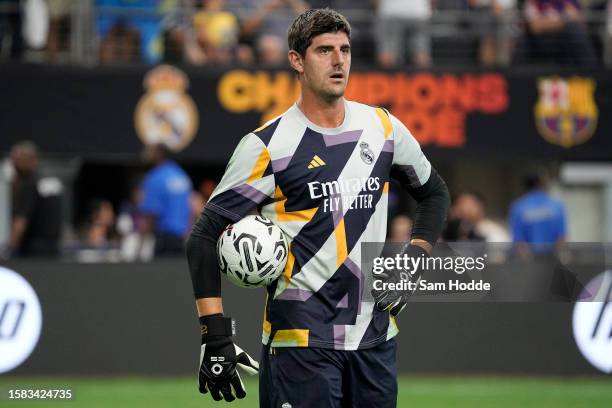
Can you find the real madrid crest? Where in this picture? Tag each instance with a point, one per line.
(367, 155)
(166, 113)
(566, 113)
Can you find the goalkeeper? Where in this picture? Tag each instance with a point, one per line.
(321, 172)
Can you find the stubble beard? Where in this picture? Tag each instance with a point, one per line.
(331, 94)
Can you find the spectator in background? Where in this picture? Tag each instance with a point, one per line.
(558, 32)
(59, 28)
(401, 26)
(101, 232)
(166, 192)
(217, 32)
(469, 207)
(200, 197)
(180, 37)
(130, 30)
(537, 220)
(538, 224)
(493, 21)
(11, 28)
(130, 222)
(36, 206)
(267, 20)
(270, 51)
(467, 221)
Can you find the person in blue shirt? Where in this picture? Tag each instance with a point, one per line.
(538, 219)
(166, 191)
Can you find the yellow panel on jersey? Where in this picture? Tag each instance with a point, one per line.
(288, 266)
(291, 337)
(282, 215)
(267, 326)
(260, 166)
(341, 248)
(393, 322)
(386, 122)
(386, 187)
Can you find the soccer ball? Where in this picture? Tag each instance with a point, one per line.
(252, 252)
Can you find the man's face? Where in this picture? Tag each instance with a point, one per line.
(151, 155)
(23, 161)
(326, 65)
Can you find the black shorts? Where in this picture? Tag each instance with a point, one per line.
(295, 377)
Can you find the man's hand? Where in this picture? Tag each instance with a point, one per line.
(219, 357)
(395, 301)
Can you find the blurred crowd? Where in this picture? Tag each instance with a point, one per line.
(536, 222)
(392, 33)
(156, 217)
(152, 221)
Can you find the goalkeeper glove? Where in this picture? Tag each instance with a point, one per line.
(395, 301)
(219, 357)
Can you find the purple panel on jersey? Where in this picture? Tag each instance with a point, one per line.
(346, 137)
(338, 211)
(295, 294)
(250, 192)
(281, 164)
(388, 146)
(356, 270)
(343, 303)
(339, 335)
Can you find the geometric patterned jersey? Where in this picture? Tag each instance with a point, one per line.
(327, 189)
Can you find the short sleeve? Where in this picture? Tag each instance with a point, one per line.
(25, 199)
(408, 157)
(152, 196)
(247, 182)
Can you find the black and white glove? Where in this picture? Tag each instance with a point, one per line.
(394, 301)
(219, 357)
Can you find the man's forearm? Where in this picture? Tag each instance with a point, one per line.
(432, 199)
(209, 306)
(202, 259)
(17, 231)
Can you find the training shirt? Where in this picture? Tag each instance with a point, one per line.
(538, 218)
(166, 193)
(327, 189)
(39, 200)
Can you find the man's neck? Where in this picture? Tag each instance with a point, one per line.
(322, 113)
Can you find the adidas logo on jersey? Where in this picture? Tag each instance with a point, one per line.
(316, 162)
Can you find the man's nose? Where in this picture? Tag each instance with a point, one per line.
(338, 57)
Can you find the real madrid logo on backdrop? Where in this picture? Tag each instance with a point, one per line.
(566, 113)
(166, 113)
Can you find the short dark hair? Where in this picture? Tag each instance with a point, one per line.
(315, 22)
(535, 180)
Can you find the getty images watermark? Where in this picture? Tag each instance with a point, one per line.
(487, 272)
(408, 266)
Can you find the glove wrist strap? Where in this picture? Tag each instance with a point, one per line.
(216, 325)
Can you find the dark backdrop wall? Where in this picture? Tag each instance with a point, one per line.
(141, 319)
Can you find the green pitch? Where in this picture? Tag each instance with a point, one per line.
(134, 392)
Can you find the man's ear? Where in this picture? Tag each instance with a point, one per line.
(296, 61)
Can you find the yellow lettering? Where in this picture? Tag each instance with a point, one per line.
(235, 91)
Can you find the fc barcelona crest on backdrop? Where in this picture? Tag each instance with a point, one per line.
(566, 113)
(166, 113)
